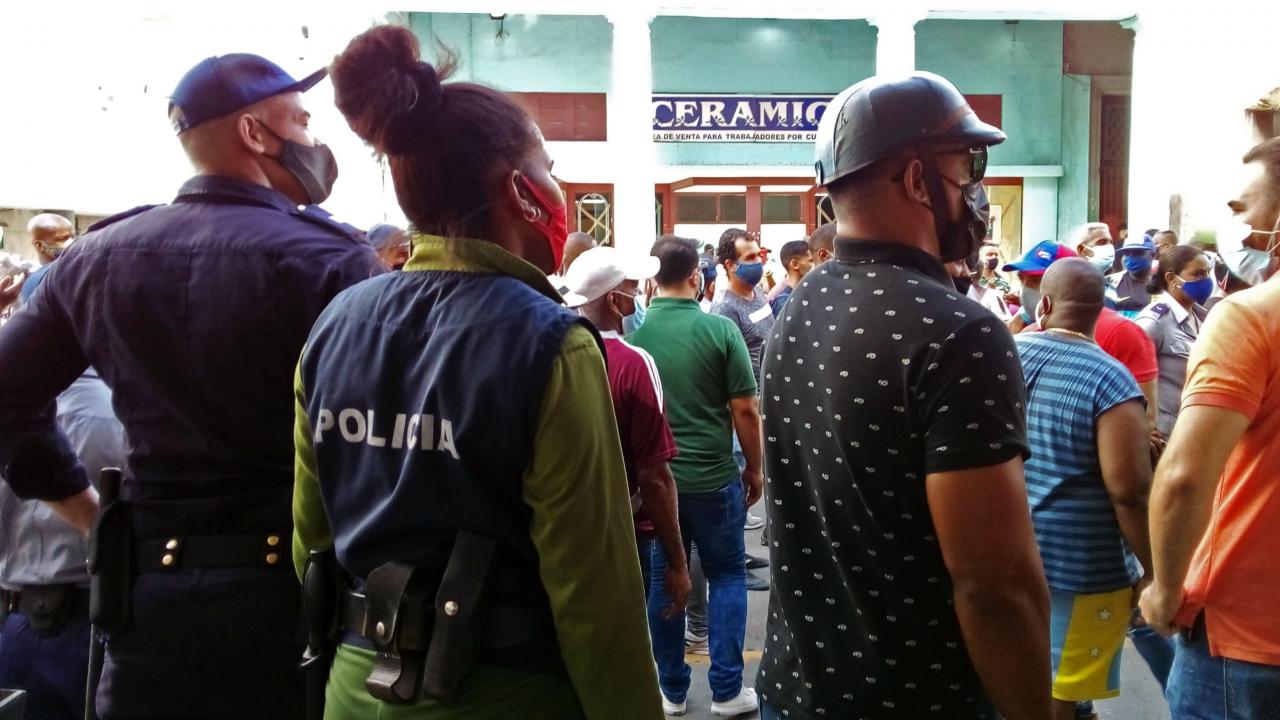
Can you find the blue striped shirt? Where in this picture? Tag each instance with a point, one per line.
(1070, 383)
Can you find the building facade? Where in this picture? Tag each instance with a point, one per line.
(686, 116)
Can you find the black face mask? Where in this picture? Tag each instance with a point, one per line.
(962, 284)
(957, 239)
(314, 167)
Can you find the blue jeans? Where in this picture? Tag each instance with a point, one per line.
(1155, 649)
(713, 520)
(1202, 687)
(644, 545)
(51, 669)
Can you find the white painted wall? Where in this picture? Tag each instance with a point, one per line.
(1039, 210)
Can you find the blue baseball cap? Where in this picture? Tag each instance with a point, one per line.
(1145, 244)
(381, 234)
(1040, 257)
(222, 84)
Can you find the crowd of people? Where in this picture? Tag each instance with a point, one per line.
(513, 469)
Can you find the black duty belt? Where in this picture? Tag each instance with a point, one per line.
(46, 607)
(255, 550)
(500, 627)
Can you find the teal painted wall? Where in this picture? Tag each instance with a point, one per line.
(1073, 186)
(542, 53)
(560, 53)
(1022, 62)
(756, 56)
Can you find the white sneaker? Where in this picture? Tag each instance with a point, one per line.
(753, 522)
(671, 708)
(744, 703)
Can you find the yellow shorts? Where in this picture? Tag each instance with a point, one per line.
(1086, 636)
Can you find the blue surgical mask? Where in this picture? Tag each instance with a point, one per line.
(1136, 264)
(750, 273)
(1198, 290)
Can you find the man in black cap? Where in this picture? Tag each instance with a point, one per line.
(198, 338)
(908, 582)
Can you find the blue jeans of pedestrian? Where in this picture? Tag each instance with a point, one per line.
(713, 520)
(1202, 687)
(51, 669)
(1155, 649)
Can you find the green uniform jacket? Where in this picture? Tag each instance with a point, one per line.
(576, 486)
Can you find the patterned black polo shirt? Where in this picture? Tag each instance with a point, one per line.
(877, 374)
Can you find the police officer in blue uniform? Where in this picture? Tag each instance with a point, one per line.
(194, 314)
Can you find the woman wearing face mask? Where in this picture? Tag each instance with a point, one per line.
(1172, 321)
(456, 442)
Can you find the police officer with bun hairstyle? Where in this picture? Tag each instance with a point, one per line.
(194, 314)
(456, 444)
(895, 436)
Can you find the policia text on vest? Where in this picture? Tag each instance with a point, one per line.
(407, 431)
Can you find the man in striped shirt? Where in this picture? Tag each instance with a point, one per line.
(1087, 484)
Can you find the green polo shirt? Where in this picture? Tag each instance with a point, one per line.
(576, 485)
(704, 363)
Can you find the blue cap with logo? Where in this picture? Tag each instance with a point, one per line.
(223, 84)
(1039, 258)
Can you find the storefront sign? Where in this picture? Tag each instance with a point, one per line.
(737, 118)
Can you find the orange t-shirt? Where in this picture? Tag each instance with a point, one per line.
(1235, 574)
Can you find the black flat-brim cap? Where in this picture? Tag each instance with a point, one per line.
(223, 84)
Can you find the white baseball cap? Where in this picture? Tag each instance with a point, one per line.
(599, 270)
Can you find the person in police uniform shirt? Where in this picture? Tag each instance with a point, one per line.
(461, 395)
(1173, 319)
(194, 314)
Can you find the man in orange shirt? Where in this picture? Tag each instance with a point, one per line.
(1221, 588)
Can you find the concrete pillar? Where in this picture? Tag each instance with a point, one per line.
(896, 38)
(630, 128)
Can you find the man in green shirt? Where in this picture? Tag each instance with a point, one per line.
(711, 393)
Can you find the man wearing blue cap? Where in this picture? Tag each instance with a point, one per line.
(194, 313)
(1136, 255)
(391, 243)
(1031, 268)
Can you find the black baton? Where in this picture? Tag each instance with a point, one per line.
(108, 493)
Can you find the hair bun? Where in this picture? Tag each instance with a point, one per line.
(383, 90)
(428, 97)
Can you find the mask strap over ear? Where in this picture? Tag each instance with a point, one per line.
(933, 184)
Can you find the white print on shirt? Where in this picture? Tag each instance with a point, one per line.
(409, 431)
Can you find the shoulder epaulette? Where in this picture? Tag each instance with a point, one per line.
(121, 216)
(321, 217)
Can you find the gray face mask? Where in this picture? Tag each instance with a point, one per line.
(313, 166)
(1030, 300)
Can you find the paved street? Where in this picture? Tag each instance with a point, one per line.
(1140, 700)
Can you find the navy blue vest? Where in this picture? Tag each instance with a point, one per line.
(424, 390)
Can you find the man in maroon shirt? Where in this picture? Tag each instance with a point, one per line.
(602, 284)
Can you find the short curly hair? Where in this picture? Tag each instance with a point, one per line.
(728, 248)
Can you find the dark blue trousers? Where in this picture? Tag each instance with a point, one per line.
(51, 669)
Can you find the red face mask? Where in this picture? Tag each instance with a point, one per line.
(552, 222)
